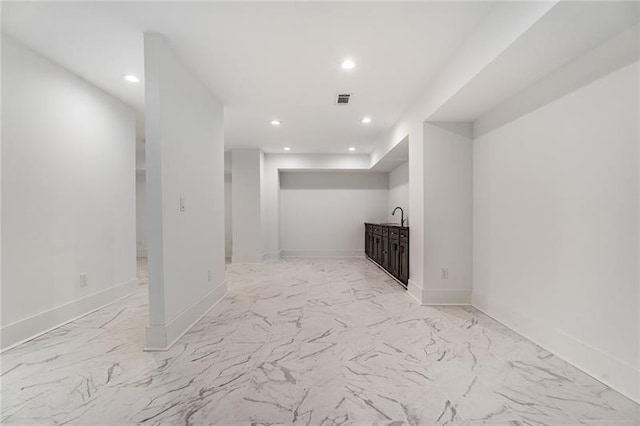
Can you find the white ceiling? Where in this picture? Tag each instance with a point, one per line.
(567, 31)
(265, 60)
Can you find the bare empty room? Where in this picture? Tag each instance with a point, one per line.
(320, 213)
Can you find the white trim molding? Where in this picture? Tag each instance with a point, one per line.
(163, 337)
(621, 376)
(274, 255)
(246, 259)
(322, 253)
(446, 296)
(415, 290)
(29, 328)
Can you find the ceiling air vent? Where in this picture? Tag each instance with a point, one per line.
(343, 98)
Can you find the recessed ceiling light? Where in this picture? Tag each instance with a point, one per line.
(366, 120)
(352, 149)
(286, 148)
(348, 64)
(131, 78)
(276, 122)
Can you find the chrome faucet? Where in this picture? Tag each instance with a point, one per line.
(401, 215)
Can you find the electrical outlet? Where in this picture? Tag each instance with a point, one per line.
(445, 273)
(83, 280)
(209, 275)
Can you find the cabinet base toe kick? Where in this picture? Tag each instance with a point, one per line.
(387, 246)
(404, 285)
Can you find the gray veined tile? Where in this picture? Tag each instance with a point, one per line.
(372, 404)
(478, 404)
(322, 405)
(592, 406)
(320, 364)
(302, 341)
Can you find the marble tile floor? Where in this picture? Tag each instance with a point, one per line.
(309, 342)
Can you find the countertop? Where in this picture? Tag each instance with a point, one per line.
(395, 225)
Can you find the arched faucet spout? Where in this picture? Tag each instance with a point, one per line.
(401, 215)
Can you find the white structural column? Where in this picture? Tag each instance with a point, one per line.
(500, 29)
(247, 205)
(448, 213)
(185, 195)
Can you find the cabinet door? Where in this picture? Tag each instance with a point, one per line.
(374, 253)
(403, 262)
(374, 247)
(385, 253)
(393, 257)
(367, 241)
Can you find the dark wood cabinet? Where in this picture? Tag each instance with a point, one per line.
(388, 246)
(376, 247)
(393, 257)
(385, 252)
(403, 261)
(368, 240)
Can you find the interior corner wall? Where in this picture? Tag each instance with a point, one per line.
(399, 192)
(141, 214)
(274, 164)
(228, 216)
(247, 205)
(448, 216)
(638, 265)
(556, 227)
(185, 193)
(416, 207)
(323, 213)
(68, 195)
(264, 229)
(272, 208)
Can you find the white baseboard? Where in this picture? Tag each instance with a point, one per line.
(415, 290)
(163, 337)
(322, 253)
(246, 259)
(274, 255)
(26, 329)
(616, 374)
(446, 296)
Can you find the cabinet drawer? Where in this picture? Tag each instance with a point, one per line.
(394, 233)
(385, 231)
(404, 234)
(377, 230)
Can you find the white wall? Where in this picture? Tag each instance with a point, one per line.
(184, 158)
(264, 229)
(637, 393)
(448, 217)
(228, 216)
(505, 24)
(247, 204)
(68, 195)
(275, 162)
(399, 192)
(141, 214)
(556, 220)
(323, 213)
